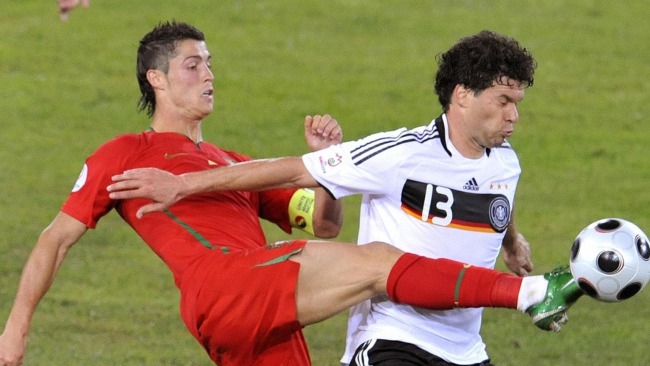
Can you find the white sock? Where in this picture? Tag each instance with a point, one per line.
(532, 292)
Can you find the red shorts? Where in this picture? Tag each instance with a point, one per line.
(246, 308)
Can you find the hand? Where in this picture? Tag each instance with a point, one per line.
(516, 255)
(160, 186)
(322, 132)
(66, 6)
(12, 350)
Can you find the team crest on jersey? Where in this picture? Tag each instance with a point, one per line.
(499, 213)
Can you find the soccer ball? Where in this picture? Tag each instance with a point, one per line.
(610, 260)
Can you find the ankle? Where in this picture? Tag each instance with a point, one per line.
(532, 292)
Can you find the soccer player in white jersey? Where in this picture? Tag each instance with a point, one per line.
(444, 190)
(456, 179)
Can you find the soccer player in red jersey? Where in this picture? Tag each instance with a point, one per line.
(243, 299)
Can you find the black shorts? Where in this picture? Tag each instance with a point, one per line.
(380, 352)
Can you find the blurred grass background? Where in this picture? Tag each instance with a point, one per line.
(67, 87)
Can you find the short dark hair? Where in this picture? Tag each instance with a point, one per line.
(156, 49)
(478, 61)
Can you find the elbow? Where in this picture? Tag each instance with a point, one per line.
(327, 230)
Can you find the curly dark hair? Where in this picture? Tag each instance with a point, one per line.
(156, 49)
(478, 61)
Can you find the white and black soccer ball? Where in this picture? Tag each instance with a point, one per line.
(610, 260)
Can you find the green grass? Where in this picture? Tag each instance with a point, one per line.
(67, 87)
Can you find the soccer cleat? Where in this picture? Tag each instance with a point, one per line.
(561, 293)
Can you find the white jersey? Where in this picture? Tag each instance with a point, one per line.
(422, 196)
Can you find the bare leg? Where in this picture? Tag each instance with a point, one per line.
(335, 276)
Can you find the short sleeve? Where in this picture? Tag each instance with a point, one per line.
(88, 201)
(366, 166)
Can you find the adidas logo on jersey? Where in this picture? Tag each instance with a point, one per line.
(471, 185)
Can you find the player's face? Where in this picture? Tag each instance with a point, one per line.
(492, 113)
(189, 80)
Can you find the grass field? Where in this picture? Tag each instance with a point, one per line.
(67, 87)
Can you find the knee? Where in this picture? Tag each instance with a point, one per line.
(382, 251)
(380, 258)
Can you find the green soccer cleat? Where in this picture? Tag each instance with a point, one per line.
(561, 293)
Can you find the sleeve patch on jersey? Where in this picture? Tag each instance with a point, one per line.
(81, 181)
(330, 162)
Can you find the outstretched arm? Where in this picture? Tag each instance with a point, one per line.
(165, 188)
(38, 274)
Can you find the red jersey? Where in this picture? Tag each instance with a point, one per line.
(233, 216)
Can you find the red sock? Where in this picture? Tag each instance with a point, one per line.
(442, 284)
